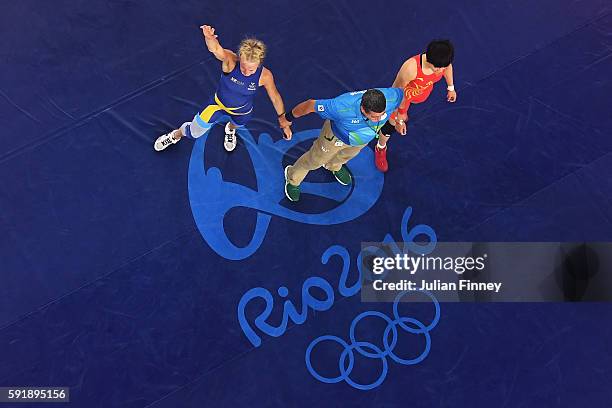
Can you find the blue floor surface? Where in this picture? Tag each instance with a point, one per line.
(121, 276)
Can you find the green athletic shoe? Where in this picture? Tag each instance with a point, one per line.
(292, 192)
(343, 176)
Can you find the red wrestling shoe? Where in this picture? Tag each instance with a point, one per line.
(380, 158)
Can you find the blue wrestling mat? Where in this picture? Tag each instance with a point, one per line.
(186, 279)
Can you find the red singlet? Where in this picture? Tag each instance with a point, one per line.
(418, 89)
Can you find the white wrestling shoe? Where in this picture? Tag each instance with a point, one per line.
(231, 138)
(164, 141)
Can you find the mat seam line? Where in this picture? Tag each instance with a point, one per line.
(97, 279)
(517, 203)
(83, 119)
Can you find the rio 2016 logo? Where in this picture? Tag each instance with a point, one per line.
(211, 197)
(308, 301)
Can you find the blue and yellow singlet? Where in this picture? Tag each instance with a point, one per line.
(234, 95)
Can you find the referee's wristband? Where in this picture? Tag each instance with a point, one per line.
(289, 116)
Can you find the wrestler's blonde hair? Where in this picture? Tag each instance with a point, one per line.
(252, 49)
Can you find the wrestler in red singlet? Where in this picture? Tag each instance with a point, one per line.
(417, 77)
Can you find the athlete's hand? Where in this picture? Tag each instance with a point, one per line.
(402, 116)
(400, 127)
(451, 96)
(287, 133)
(399, 122)
(283, 122)
(209, 32)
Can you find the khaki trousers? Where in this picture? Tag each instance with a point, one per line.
(327, 151)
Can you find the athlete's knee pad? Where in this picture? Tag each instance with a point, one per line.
(193, 130)
(196, 128)
(185, 131)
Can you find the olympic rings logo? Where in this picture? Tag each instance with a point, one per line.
(370, 350)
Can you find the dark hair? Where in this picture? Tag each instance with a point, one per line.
(440, 53)
(373, 100)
